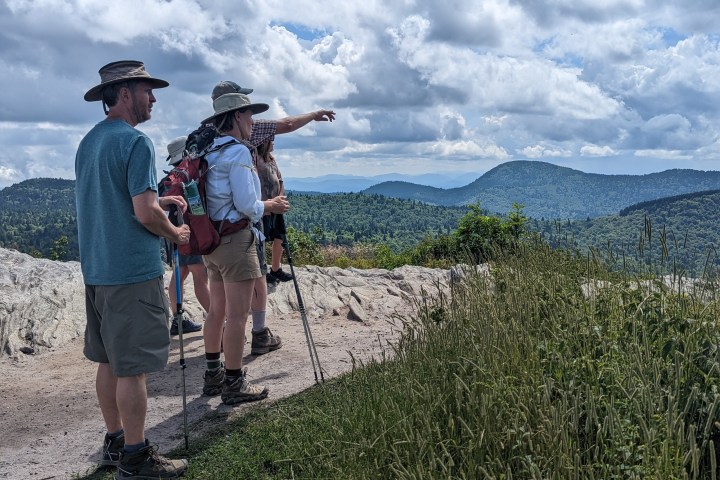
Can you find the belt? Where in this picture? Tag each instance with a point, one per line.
(226, 228)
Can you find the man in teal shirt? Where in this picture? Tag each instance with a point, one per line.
(120, 222)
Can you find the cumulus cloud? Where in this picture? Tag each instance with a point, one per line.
(540, 151)
(596, 151)
(417, 85)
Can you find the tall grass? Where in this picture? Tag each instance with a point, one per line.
(548, 367)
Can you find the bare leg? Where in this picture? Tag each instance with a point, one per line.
(106, 389)
(132, 405)
(259, 300)
(214, 323)
(237, 306)
(277, 251)
(200, 284)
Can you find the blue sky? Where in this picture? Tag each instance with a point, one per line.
(419, 86)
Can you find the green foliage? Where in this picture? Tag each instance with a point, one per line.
(349, 218)
(35, 213)
(548, 366)
(669, 235)
(59, 249)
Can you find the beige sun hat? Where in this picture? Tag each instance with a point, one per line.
(121, 71)
(176, 149)
(234, 101)
(226, 86)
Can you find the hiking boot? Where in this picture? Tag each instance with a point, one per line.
(239, 390)
(213, 382)
(264, 342)
(187, 324)
(146, 463)
(112, 450)
(280, 275)
(271, 279)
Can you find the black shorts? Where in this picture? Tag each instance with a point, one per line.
(273, 226)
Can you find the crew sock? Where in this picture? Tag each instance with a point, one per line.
(213, 361)
(115, 434)
(258, 317)
(231, 375)
(135, 447)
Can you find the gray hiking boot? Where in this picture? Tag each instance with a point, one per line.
(148, 464)
(264, 342)
(239, 390)
(213, 382)
(188, 326)
(112, 450)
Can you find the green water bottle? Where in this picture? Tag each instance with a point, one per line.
(192, 195)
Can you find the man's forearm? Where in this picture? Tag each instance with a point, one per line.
(159, 224)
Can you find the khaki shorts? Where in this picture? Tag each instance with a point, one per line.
(235, 259)
(127, 327)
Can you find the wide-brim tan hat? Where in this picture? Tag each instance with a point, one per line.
(234, 101)
(176, 149)
(122, 71)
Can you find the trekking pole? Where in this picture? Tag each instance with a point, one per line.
(180, 320)
(306, 325)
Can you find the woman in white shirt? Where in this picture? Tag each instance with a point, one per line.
(233, 200)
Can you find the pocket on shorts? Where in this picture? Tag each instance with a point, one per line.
(151, 306)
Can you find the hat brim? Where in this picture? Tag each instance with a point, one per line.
(95, 93)
(255, 108)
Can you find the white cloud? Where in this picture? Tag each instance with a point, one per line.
(542, 151)
(416, 84)
(596, 151)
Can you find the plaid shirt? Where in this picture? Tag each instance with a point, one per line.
(262, 130)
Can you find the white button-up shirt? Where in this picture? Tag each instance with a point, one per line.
(232, 185)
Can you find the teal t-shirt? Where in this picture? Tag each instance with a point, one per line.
(115, 162)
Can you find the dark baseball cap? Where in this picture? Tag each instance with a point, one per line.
(226, 86)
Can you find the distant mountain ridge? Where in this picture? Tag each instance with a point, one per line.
(550, 191)
(335, 183)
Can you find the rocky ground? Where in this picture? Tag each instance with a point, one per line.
(50, 423)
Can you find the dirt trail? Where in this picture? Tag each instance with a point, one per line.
(51, 427)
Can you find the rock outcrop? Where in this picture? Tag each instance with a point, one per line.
(42, 302)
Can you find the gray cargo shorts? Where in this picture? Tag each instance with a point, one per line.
(127, 327)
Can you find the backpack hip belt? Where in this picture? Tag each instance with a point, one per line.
(226, 228)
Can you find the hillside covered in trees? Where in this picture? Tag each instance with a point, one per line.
(684, 229)
(552, 192)
(36, 214)
(38, 217)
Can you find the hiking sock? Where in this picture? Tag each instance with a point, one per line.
(258, 317)
(213, 361)
(115, 434)
(135, 447)
(231, 375)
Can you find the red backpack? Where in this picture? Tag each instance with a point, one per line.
(187, 178)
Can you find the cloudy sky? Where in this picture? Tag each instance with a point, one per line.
(631, 86)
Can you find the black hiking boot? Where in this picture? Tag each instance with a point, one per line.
(280, 275)
(213, 382)
(112, 450)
